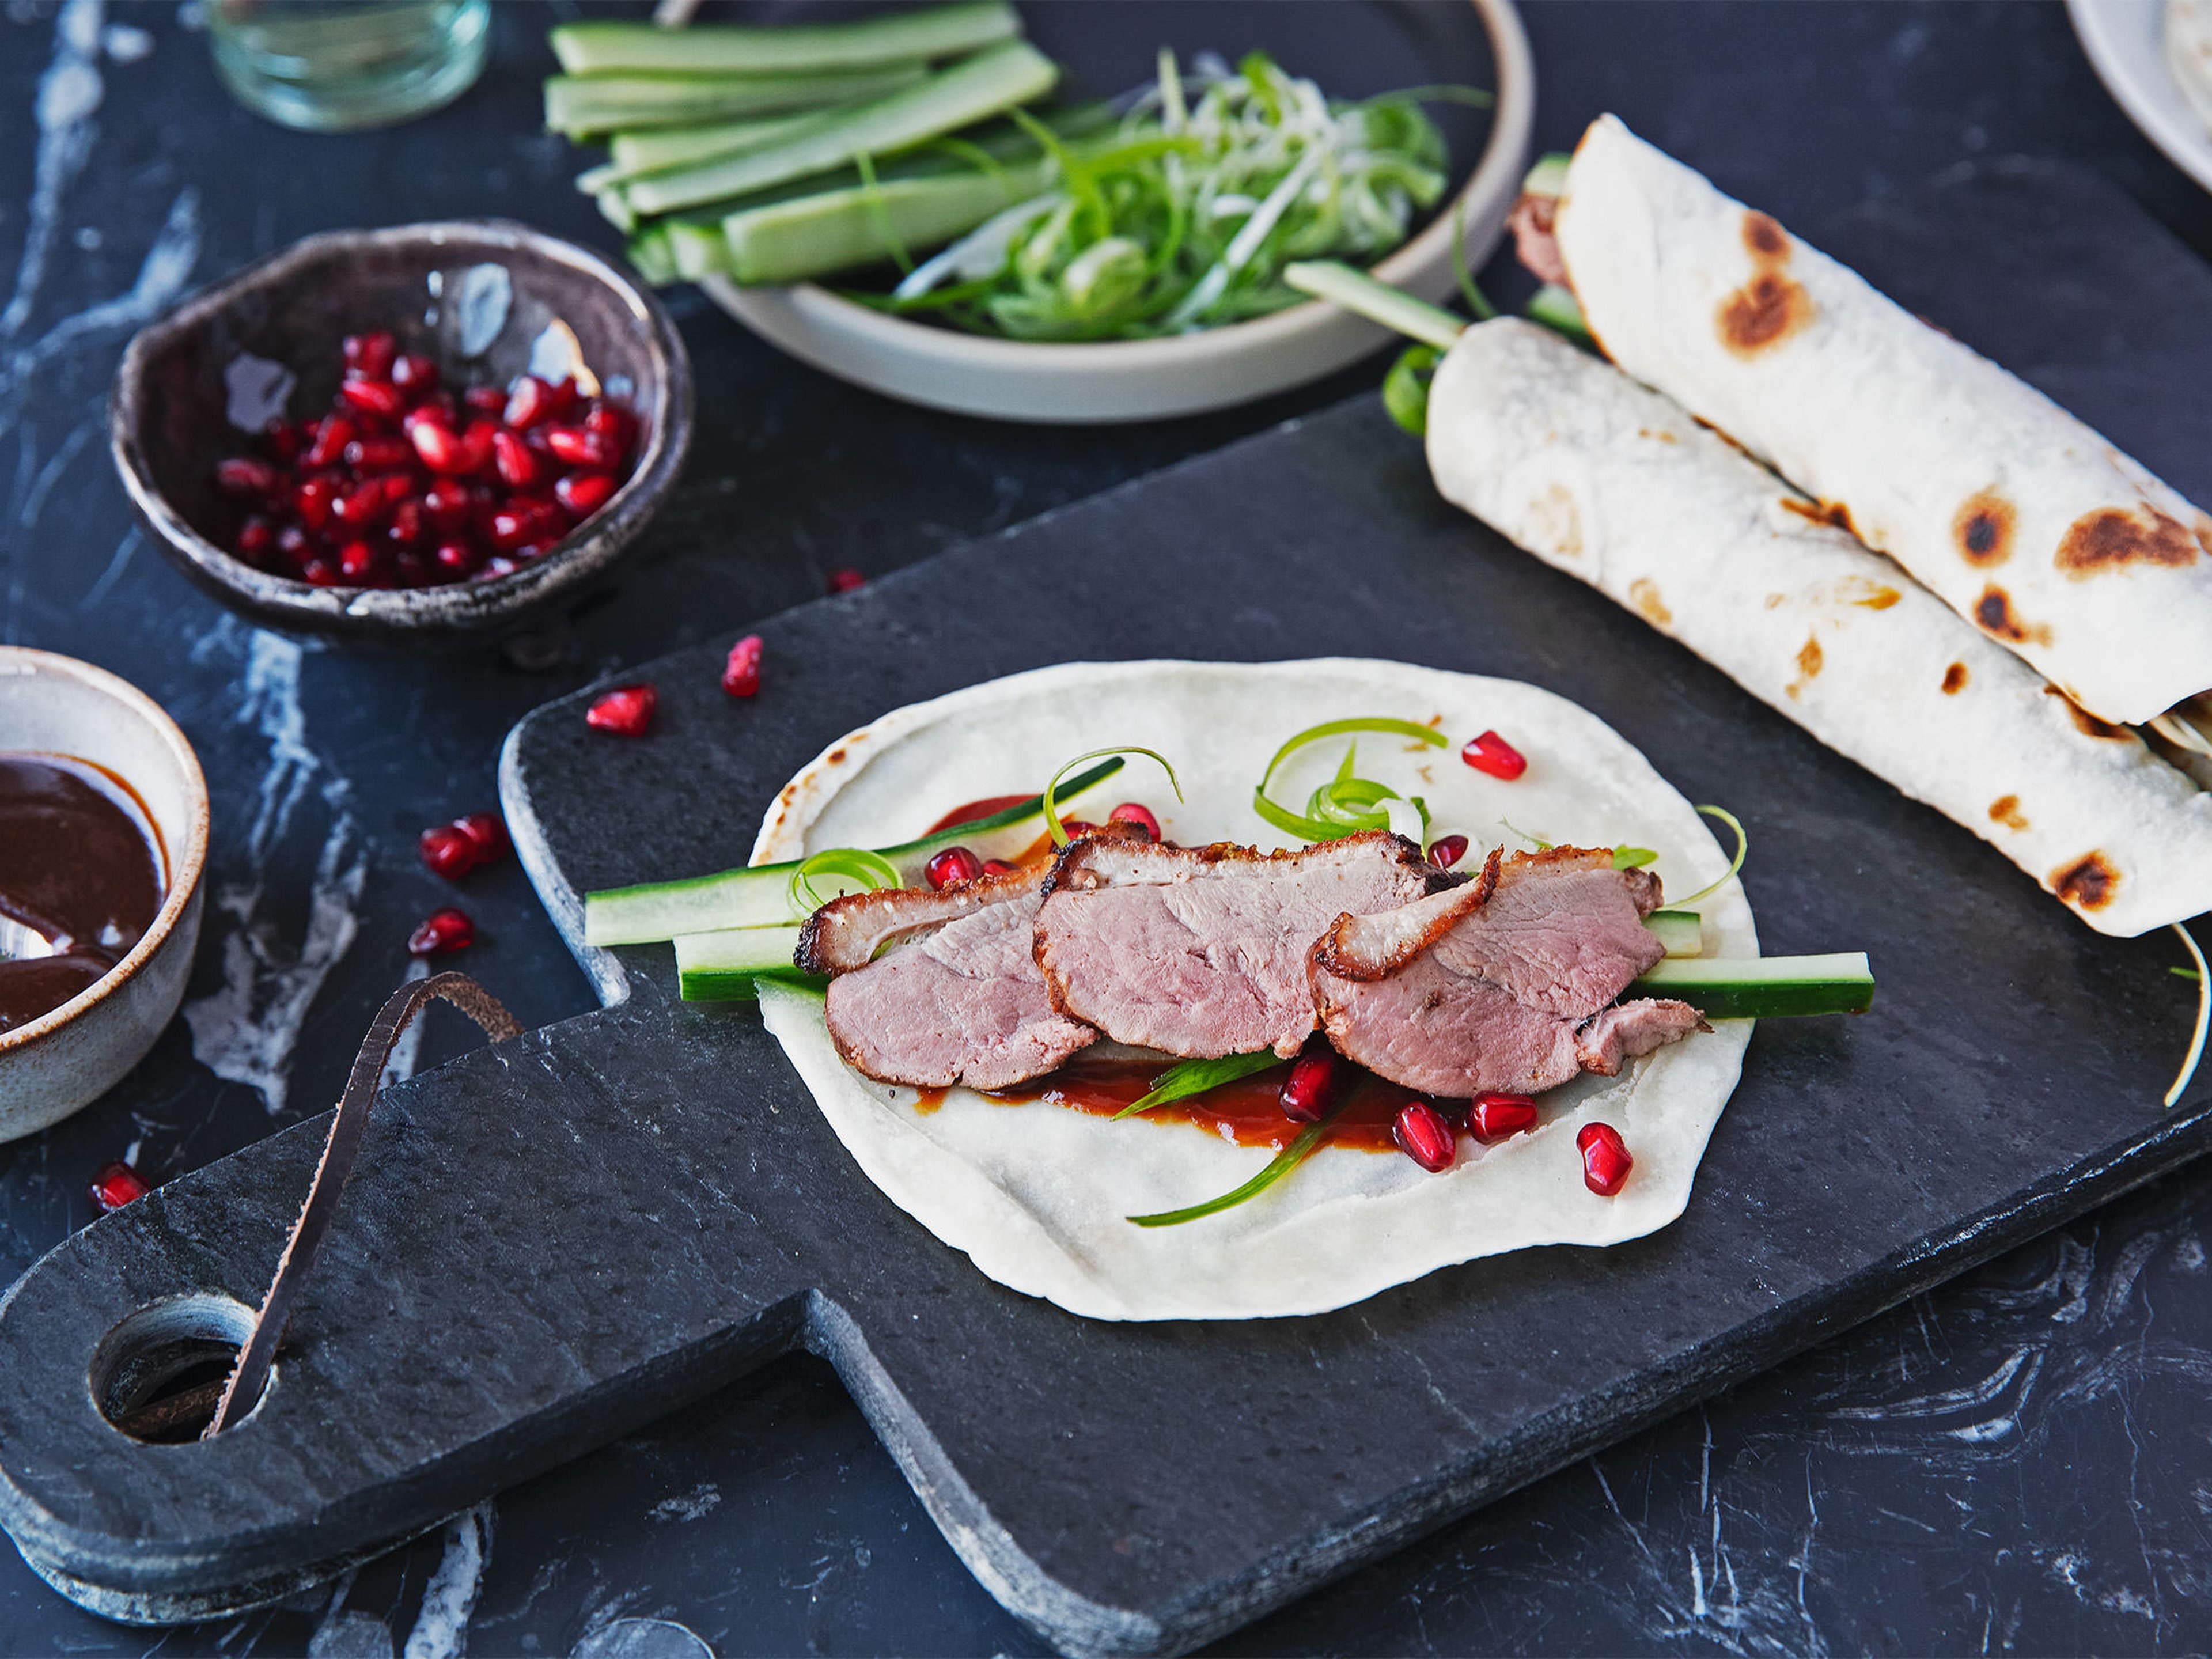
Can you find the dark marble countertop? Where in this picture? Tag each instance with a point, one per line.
(2017, 1461)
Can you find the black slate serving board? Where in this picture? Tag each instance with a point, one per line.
(552, 1241)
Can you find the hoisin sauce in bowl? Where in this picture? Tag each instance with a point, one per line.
(80, 868)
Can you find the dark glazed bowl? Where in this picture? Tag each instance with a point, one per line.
(438, 286)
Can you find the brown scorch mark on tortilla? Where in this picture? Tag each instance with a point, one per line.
(1645, 592)
(2086, 722)
(1955, 679)
(1993, 611)
(1809, 659)
(2110, 539)
(2005, 810)
(1770, 307)
(1834, 513)
(1984, 528)
(2087, 883)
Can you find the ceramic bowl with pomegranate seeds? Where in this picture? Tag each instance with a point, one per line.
(408, 436)
(56, 709)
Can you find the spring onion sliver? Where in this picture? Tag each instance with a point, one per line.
(979, 87)
(758, 896)
(854, 870)
(587, 108)
(612, 48)
(1406, 388)
(1283, 1162)
(1742, 846)
(727, 966)
(2204, 1019)
(1054, 825)
(1558, 309)
(1548, 177)
(1197, 1077)
(1377, 302)
(1760, 988)
(1347, 804)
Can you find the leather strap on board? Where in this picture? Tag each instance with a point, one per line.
(251, 1373)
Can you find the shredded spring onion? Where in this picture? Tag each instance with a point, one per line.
(2204, 1019)
(1197, 1077)
(1289, 1158)
(1742, 846)
(1406, 387)
(863, 872)
(1058, 830)
(1347, 804)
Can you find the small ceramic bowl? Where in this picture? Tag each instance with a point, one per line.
(1183, 374)
(489, 300)
(55, 705)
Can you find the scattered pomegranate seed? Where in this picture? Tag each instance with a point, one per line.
(1606, 1162)
(442, 931)
(952, 866)
(583, 493)
(1492, 754)
(245, 477)
(1132, 813)
(997, 867)
(846, 579)
(1445, 851)
(116, 1185)
(1306, 1092)
(626, 711)
(1423, 1135)
(449, 851)
(1493, 1117)
(1073, 827)
(741, 673)
(489, 832)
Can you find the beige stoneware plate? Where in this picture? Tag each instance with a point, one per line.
(1151, 380)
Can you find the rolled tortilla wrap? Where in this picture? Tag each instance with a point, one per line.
(2021, 519)
(1613, 483)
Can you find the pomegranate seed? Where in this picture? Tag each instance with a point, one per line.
(846, 579)
(446, 505)
(1308, 1089)
(443, 449)
(382, 454)
(332, 433)
(1492, 754)
(257, 539)
(357, 563)
(449, 851)
(518, 467)
(1606, 1162)
(488, 831)
(284, 439)
(1445, 851)
(997, 867)
(442, 931)
(357, 509)
(498, 565)
(244, 476)
(563, 403)
(406, 527)
(610, 423)
(312, 499)
(954, 865)
(416, 373)
(531, 402)
(626, 711)
(485, 400)
(371, 353)
(585, 493)
(510, 527)
(741, 673)
(116, 1185)
(374, 397)
(1424, 1136)
(295, 544)
(574, 446)
(437, 409)
(455, 559)
(1493, 1117)
(319, 573)
(1131, 813)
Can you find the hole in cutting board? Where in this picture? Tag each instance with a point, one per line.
(158, 1375)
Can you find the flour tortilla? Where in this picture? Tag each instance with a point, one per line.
(1036, 1194)
(1613, 483)
(2189, 52)
(2019, 517)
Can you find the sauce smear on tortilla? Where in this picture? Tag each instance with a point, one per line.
(1247, 1111)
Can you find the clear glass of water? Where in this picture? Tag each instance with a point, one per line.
(334, 65)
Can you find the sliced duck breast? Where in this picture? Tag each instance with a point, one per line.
(1201, 952)
(964, 1004)
(1507, 985)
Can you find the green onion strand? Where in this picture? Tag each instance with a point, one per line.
(872, 870)
(1346, 804)
(1309, 1140)
(1197, 1077)
(2204, 1019)
(1742, 846)
(1054, 827)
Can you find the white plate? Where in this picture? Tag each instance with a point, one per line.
(1148, 379)
(2125, 40)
